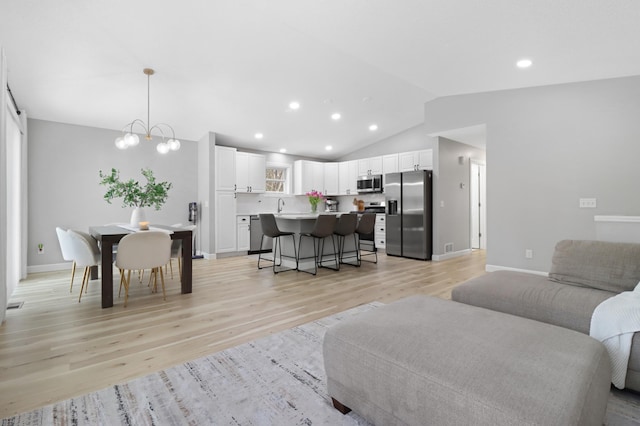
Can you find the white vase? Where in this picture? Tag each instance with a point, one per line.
(137, 216)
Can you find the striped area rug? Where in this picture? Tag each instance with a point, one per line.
(277, 380)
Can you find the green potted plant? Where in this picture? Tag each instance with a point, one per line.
(134, 194)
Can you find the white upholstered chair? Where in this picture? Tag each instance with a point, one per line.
(143, 250)
(86, 253)
(67, 251)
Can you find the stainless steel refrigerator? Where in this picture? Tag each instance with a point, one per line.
(409, 214)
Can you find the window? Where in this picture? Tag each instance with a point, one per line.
(277, 178)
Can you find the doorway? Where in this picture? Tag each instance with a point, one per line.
(478, 205)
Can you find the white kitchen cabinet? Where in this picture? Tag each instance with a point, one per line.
(389, 163)
(225, 168)
(250, 172)
(370, 166)
(225, 221)
(242, 233)
(331, 179)
(380, 233)
(415, 160)
(308, 175)
(348, 177)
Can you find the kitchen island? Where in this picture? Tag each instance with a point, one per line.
(300, 223)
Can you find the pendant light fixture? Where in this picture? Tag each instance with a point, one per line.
(129, 138)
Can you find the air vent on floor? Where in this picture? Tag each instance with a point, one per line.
(448, 247)
(15, 305)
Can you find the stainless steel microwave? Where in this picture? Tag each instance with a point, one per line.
(369, 184)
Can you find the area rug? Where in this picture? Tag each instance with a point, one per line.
(276, 380)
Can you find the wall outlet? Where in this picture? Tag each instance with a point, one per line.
(588, 203)
(448, 247)
(40, 248)
(528, 253)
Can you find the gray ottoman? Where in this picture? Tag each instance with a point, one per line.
(424, 360)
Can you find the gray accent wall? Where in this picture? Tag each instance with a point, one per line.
(64, 190)
(547, 147)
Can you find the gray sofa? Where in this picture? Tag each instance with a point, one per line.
(583, 274)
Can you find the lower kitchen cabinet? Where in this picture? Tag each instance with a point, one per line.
(243, 233)
(225, 220)
(380, 233)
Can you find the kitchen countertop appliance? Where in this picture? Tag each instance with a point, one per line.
(331, 205)
(409, 214)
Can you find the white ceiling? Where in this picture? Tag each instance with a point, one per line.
(232, 67)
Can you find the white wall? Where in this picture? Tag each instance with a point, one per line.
(546, 148)
(64, 190)
(3, 189)
(412, 139)
(205, 234)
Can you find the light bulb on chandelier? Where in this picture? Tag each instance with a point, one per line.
(130, 139)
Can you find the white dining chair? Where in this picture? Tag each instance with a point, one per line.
(67, 251)
(143, 250)
(86, 253)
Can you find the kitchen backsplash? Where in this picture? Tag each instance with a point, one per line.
(262, 203)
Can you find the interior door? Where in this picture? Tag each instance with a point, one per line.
(478, 206)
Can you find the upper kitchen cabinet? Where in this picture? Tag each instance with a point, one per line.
(331, 179)
(370, 166)
(348, 177)
(308, 175)
(389, 163)
(225, 168)
(416, 160)
(250, 172)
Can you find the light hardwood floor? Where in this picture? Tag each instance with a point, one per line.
(54, 348)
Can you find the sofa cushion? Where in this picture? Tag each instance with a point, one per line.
(534, 297)
(597, 264)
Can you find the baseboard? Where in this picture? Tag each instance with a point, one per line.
(48, 268)
(34, 269)
(451, 255)
(492, 268)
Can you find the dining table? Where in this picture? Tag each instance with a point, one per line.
(109, 235)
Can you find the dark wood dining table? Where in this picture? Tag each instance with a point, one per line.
(109, 235)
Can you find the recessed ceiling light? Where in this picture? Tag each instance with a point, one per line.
(258, 136)
(524, 63)
(373, 127)
(283, 150)
(336, 116)
(328, 147)
(294, 105)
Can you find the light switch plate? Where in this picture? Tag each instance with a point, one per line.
(588, 203)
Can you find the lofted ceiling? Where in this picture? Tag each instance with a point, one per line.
(232, 67)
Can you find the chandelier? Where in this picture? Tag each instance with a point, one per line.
(129, 138)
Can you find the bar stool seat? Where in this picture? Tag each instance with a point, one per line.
(323, 228)
(346, 226)
(270, 229)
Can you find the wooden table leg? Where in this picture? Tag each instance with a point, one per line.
(186, 263)
(107, 274)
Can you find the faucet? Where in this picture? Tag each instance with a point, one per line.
(280, 207)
